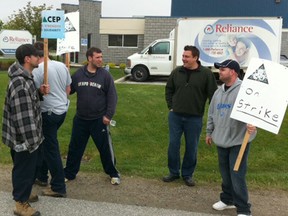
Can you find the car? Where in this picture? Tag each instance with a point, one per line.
(284, 60)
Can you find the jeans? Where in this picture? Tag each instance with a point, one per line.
(234, 188)
(23, 173)
(191, 126)
(51, 153)
(81, 131)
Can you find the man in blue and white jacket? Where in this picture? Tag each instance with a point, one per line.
(228, 134)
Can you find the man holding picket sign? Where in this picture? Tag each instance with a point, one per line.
(228, 134)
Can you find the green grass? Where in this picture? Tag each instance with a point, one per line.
(141, 139)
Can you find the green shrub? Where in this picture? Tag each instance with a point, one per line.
(111, 65)
(6, 64)
(122, 66)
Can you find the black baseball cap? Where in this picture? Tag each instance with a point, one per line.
(26, 50)
(232, 64)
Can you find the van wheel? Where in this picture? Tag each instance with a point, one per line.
(139, 74)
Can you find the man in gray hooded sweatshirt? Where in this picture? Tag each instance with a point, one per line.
(228, 134)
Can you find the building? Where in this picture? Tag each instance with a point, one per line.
(120, 37)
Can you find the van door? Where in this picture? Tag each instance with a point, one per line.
(160, 58)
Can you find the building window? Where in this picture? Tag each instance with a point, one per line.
(122, 40)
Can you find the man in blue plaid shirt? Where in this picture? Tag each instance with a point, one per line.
(22, 125)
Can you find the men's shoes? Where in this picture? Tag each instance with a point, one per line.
(40, 183)
(51, 193)
(170, 178)
(33, 198)
(244, 215)
(189, 181)
(24, 209)
(115, 180)
(219, 206)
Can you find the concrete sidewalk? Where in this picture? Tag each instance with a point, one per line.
(63, 207)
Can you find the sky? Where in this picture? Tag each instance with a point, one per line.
(110, 8)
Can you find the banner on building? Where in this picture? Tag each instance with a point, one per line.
(10, 40)
(263, 96)
(71, 41)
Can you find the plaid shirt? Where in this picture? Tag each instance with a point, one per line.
(22, 122)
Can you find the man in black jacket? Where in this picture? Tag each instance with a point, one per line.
(187, 90)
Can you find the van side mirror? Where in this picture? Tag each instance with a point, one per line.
(150, 50)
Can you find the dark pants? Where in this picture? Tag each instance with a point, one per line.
(51, 153)
(191, 126)
(23, 174)
(234, 188)
(82, 130)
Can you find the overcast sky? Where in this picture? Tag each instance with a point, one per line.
(110, 8)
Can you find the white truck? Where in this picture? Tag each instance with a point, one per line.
(217, 39)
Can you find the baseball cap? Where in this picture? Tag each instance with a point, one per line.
(232, 64)
(26, 50)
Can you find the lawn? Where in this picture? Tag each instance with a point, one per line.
(141, 138)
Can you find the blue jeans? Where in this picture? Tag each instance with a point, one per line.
(23, 173)
(81, 131)
(51, 153)
(191, 126)
(234, 188)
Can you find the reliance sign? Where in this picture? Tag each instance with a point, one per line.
(10, 40)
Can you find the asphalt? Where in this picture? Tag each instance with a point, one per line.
(63, 207)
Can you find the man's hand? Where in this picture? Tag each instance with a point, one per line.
(208, 140)
(44, 89)
(251, 129)
(106, 120)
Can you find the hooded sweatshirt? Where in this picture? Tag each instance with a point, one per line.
(22, 122)
(96, 93)
(225, 131)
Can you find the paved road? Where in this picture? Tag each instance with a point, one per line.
(72, 207)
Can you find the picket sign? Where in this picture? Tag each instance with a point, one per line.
(262, 98)
(52, 27)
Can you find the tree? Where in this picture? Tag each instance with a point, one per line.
(1, 24)
(28, 18)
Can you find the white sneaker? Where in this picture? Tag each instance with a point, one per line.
(115, 180)
(243, 215)
(219, 206)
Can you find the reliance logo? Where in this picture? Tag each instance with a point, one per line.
(209, 29)
(234, 29)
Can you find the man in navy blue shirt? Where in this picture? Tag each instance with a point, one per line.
(96, 105)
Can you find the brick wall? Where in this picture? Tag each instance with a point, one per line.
(118, 55)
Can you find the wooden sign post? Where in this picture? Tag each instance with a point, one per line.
(46, 53)
(241, 152)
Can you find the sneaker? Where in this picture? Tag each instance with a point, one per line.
(170, 178)
(68, 180)
(51, 193)
(244, 215)
(189, 181)
(24, 209)
(40, 183)
(115, 181)
(219, 206)
(33, 198)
